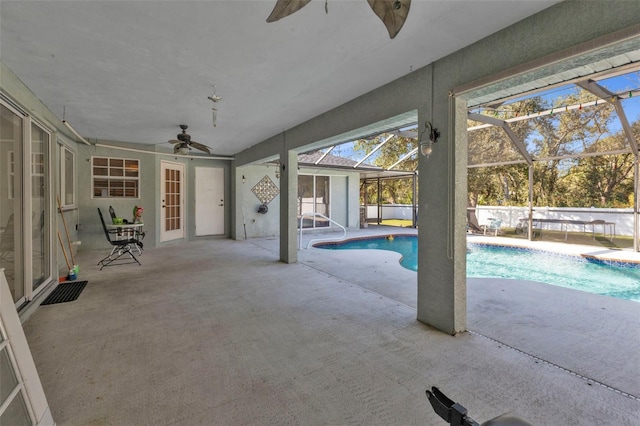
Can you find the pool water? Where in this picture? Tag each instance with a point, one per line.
(488, 261)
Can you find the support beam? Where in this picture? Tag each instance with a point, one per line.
(380, 145)
(408, 155)
(603, 93)
(501, 123)
(324, 155)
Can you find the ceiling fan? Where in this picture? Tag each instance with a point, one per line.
(392, 13)
(184, 143)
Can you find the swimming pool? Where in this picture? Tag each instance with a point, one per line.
(494, 261)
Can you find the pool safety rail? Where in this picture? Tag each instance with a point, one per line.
(313, 214)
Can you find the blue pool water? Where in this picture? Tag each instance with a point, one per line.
(489, 261)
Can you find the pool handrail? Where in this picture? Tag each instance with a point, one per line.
(344, 230)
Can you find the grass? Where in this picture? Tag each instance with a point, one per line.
(403, 223)
(583, 238)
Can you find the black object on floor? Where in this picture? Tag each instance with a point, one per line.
(65, 292)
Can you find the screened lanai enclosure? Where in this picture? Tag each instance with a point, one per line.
(569, 145)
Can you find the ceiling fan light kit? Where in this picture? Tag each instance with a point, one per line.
(183, 143)
(392, 13)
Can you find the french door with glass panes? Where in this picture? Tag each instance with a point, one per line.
(172, 199)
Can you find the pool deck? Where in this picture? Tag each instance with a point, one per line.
(219, 332)
(619, 255)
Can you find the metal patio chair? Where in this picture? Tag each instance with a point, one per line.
(136, 233)
(121, 251)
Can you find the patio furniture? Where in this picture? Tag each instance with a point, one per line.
(121, 251)
(129, 232)
(456, 415)
(539, 223)
(493, 225)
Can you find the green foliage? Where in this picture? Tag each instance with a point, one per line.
(501, 174)
(393, 191)
(598, 180)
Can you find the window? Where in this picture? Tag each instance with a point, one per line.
(313, 197)
(67, 176)
(115, 177)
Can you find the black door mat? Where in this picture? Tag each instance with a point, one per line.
(65, 292)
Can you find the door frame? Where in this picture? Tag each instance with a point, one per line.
(216, 204)
(179, 233)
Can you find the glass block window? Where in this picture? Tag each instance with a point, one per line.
(115, 177)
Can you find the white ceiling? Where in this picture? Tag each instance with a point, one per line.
(134, 70)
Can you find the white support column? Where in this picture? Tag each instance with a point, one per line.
(442, 285)
(288, 206)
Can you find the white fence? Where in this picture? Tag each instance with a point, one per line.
(390, 211)
(510, 216)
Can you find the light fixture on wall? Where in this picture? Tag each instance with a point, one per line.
(426, 146)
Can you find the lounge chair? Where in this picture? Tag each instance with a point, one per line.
(493, 225)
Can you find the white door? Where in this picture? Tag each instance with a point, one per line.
(172, 201)
(209, 201)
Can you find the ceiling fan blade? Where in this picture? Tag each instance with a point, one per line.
(199, 146)
(174, 141)
(285, 8)
(392, 13)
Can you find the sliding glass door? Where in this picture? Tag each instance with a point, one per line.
(11, 125)
(40, 209)
(25, 207)
(313, 197)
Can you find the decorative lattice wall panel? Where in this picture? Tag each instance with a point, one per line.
(265, 190)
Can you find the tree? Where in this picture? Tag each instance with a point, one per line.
(558, 179)
(394, 191)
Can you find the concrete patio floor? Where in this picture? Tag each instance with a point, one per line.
(219, 332)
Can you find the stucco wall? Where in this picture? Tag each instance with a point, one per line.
(90, 228)
(343, 200)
